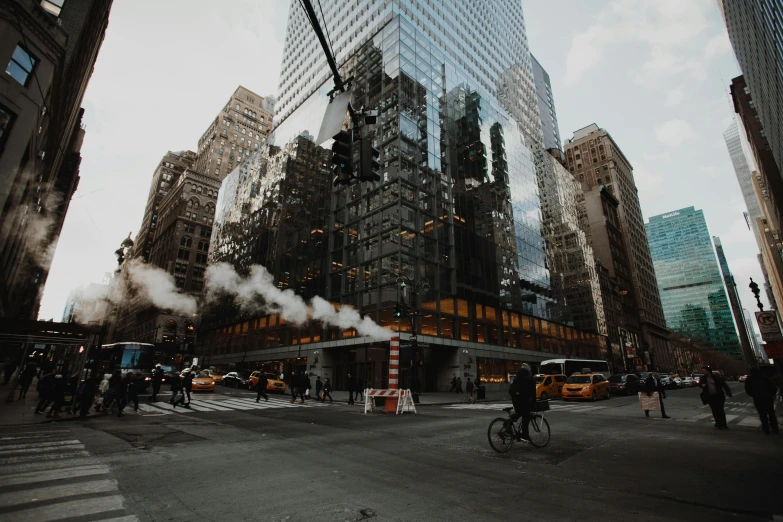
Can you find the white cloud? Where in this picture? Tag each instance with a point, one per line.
(707, 169)
(738, 233)
(648, 182)
(717, 45)
(674, 132)
(675, 97)
(663, 156)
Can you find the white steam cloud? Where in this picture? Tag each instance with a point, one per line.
(157, 286)
(222, 278)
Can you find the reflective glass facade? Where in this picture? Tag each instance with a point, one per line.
(693, 295)
(458, 205)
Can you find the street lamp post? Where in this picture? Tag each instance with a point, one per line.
(416, 287)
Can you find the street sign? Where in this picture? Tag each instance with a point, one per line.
(774, 350)
(334, 117)
(769, 327)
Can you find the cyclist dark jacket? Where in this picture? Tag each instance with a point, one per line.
(522, 391)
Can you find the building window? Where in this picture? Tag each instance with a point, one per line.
(185, 241)
(183, 254)
(21, 65)
(53, 6)
(6, 121)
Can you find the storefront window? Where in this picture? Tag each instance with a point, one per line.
(429, 324)
(462, 308)
(447, 327)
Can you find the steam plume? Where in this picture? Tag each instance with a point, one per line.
(157, 286)
(221, 278)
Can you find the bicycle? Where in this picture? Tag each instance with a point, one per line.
(502, 433)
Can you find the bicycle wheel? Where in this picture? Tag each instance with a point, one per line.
(500, 435)
(539, 431)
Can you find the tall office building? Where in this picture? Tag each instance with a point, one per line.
(48, 50)
(594, 159)
(756, 33)
(744, 329)
(690, 280)
(546, 106)
(239, 129)
(740, 158)
(458, 204)
(166, 175)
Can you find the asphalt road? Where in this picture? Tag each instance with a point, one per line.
(235, 461)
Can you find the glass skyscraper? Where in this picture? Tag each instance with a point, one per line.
(690, 280)
(458, 206)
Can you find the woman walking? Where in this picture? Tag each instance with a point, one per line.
(712, 393)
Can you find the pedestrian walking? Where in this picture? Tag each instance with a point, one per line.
(113, 397)
(306, 386)
(653, 387)
(103, 393)
(350, 384)
(763, 391)
(134, 385)
(89, 390)
(459, 385)
(176, 387)
(319, 385)
(359, 388)
(714, 392)
(261, 387)
(45, 390)
(294, 386)
(26, 379)
(327, 390)
(8, 370)
(453, 383)
(469, 390)
(187, 387)
(157, 381)
(126, 383)
(58, 396)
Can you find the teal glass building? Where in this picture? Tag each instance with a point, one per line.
(694, 298)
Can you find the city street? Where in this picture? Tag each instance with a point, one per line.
(230, 460)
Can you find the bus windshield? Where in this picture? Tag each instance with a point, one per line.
(134, 357)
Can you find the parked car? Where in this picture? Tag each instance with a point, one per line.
(643, 376)
(667, 382)
(687, 382)
(743, 378)
(548, 386)
(235, 380)
(273, 382)
(624, 384)
(585, 386)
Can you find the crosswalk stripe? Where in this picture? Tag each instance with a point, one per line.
(730, 418)
(273, 403)
(41, 458)
(213, 405)
(169, 407)
(129, 518)
(698, 417)
(749, 421)
(27, 435)
(16, 498)
(29, 467)
(39, 445)
(236, 405)
(197, 407)
(70, 509)
(39, 451)
(149, 408)
(57, 474)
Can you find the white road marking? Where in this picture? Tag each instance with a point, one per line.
(149, 408)
(749, 421)
(212, 404)
(57, 474)
(169, 407)
(17, 498)
(196, 407)
(70, 509)
(27, 435)
(65, 463)
(39, 445)
(697, 417)
(129, 518)
(77, 445)
(40, 458)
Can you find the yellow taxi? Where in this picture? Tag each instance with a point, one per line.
(202, 381)
(216, 376)
(273, 383)
(548, 386)
(585, 385)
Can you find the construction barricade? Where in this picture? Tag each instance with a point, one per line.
(404, 400)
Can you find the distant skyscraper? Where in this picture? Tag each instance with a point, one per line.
(745, 176)
(546, 106)
(756, 33)
(594, 159)
(690, 280)
(237, 131)
(744, 329)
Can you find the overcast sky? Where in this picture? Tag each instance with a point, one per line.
(654, 74)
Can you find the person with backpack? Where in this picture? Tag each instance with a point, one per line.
(763, 391)
(261, 387)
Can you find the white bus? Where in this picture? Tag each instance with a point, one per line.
(570, 366)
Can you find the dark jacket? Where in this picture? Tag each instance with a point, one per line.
(187, 382)
(46, 386)
(652, 385)
(133, 387)
(319, 385)
(327, 386)
(262, 382)
(760, 387)
(523, 389)
(469, 386)
(27, 374)
(720, 387)
(58, 390)
(350, 384)
(115, 382)
(304, 382)
(157, 376)
(89, 388)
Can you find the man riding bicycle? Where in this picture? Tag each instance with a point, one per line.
(523, 393)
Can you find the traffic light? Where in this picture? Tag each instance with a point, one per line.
(397, 310)
(342, 157)
(370, 166)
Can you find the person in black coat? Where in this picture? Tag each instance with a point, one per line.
(523, 393)
(327, 390)
(763, 391)
(651, 385)
(261, 387)
(304, 385)
(157, 381)
(45, 389)
(187, 387)
(88, 395)
(359, 388)
(26, 379)
(350, 385)
(58, 396)
(124, 385)
(319, 385)
(714, 392)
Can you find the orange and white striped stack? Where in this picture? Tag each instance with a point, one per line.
(394, 371)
